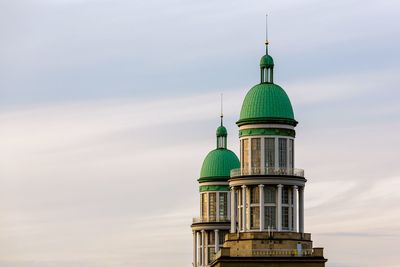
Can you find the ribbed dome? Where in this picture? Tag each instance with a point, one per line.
(218, 164)
(266, 103)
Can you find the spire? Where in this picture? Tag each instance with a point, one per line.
(266, 34)
(221, 130)
(266, 62)
(222, 109)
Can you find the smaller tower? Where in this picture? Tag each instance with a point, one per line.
(213, 223)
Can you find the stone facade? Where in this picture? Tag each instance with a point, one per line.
(272, 249)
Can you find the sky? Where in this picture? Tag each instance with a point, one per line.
(108, 108)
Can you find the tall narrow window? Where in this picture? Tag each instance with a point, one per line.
(204, 205)
(210, 238)
(269, 217)
(285, 195)
(269, 194)
(269, 152)
(201, 255)
(293, 218)
(282, 152)
(254, 207)
(223, 205)
(285, 218)
(291, 153)
(211, 252)
(221, 237)
(255, 155)
(245, 154)
(254, 195)
(212, 206)
(270, 207)
(255, 217)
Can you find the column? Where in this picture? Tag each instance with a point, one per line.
(194, 249)
(244, 208)
(203, 242)
(217, 206)
(216, 232)
(239, 213)
(290, 196)
(276, 141)
(233, 210)
(295, 188)
(228, 214)
(279, 207)
(206, 249)
(261, 189)
(301, 209)
(198, 252)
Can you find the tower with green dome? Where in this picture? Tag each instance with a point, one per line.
(210, 227)
(265, 189)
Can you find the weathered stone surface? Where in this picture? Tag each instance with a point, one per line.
(273, 249)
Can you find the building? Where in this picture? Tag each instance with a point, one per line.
(252, 210)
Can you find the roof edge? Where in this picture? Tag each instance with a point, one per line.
(267, 120)
(213, 179)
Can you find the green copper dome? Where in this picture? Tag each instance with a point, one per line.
(218, 164)
(221, 131)
(266, 61)
(266, 103)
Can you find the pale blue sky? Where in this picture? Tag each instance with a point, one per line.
(107, 109)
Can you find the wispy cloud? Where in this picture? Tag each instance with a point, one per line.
(86, 173)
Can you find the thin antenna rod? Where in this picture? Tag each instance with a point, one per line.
(266, 34)
(222, 107)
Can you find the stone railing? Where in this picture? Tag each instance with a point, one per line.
(210, 219)
(282, 252)
(267, 171)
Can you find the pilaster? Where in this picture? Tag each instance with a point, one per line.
(279, 208)
(261, 189)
